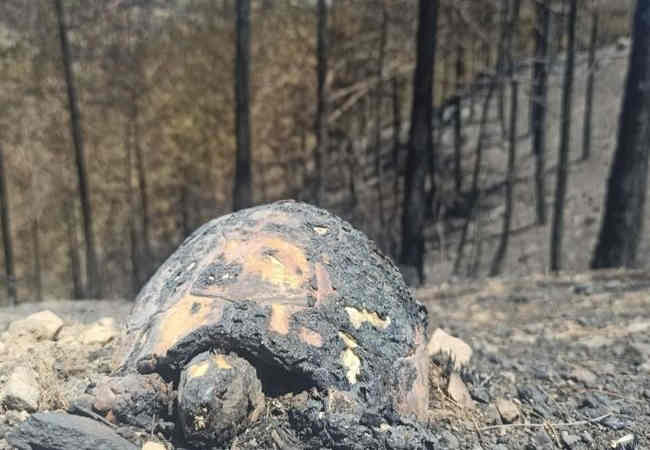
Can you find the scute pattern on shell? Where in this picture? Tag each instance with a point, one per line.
(303, 296)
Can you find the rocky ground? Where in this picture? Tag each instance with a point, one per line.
(558, 362)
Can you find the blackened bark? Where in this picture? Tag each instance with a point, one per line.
(589, 96)
(565, 140)
(473, 201)
(36, 249)
(73, 248)
(622, 225)
(142, 186)
(502, 65)
(538, 109)
(379, 94)
(420, 144)
(322, 109)
(93, 279)
(502, 249)
(243, 189)
(397, 171)
(458, 116)
(134, 254)
(497, 262)
(7, 241)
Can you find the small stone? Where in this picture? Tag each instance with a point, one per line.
(448, 440)
(508, 411)
(101, 332)
(458, 391)
(22, 391)
(481, 394)
(587, 438)
(597, 341)
(15, 417)
(458, 350)
(542, 441)
(151, 445)
(638, 326)
(492, 415)
(639, 352)
(584, 376)
(511, 377)
(43, 325)
(569, 440)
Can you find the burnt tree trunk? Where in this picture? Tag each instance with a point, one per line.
(322, 109)
(502, 249)
(502, 65)
(622, 226)
(557, 227)
(93, 279)
(420, 145)
(243, 189)
(397, 172)
(538, 108)
(7, 241)
(591, 78)
(458, 116)
(142, 187)
(73, 248)
(379, 94)
(134, 254)
(36, 249)
(473, 201)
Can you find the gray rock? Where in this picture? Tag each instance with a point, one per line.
(508, 411)
(541, 441)
(639, 352)
(584, 376)
(43, 325)
(569, 440)
(61, 431)
(22, 391)
(448, 440)
(441, 342)
(458, 391)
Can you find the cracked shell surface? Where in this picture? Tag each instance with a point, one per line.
(303, 296)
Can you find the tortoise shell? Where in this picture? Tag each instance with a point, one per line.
(307, 299)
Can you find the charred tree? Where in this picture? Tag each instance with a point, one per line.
(591, 78)
(243, 189)
(557, 227)
(539, 101)
(379, 94)
(322, 110)
(93, 279)
(420, 144)
(73, 248)
(497, 262)
(502, 65)
(622, 226)
(474, 194)
(397, 172)
(36, 255)
(7, 242)
(458, 117)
